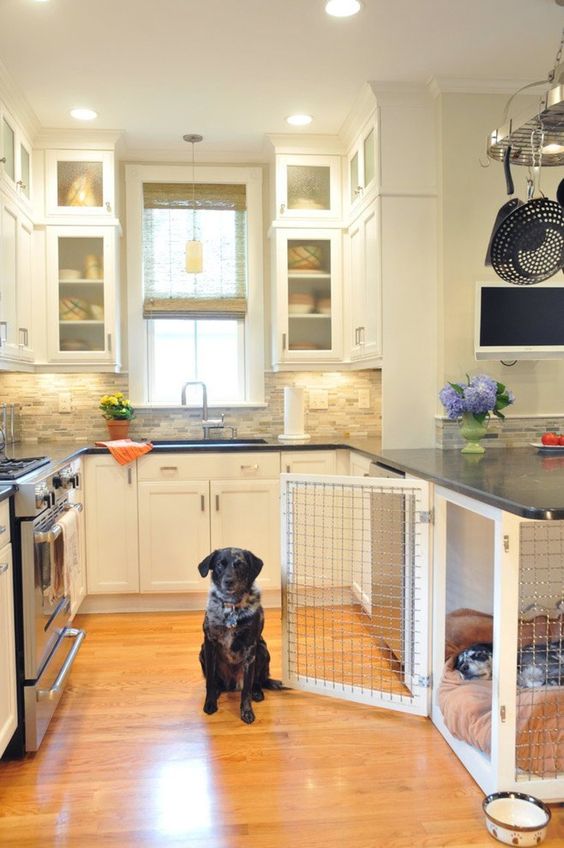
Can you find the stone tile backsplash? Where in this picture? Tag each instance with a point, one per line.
(511, 433)
(37, 396)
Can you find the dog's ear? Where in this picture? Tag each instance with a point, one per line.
(255, 564)
(207, 564)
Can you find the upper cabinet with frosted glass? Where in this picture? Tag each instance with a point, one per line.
(15, 160)
(362, 168)
(80, 184)
(308, 188)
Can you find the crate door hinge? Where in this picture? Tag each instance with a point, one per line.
(427, 516)
(423, 681)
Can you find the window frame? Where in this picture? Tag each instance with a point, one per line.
(138, 343)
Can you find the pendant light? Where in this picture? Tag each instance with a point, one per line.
(194, 255)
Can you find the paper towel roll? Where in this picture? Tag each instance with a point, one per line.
(293, 414)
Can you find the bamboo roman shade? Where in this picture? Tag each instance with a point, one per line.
(217, 218)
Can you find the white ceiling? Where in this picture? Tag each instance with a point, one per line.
(234, 69)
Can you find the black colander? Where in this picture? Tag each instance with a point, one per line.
(528, 247)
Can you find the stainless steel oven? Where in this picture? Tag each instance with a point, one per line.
(50, 643)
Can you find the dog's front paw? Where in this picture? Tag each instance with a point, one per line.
(258, 695)
(210, 707)
(247, 715)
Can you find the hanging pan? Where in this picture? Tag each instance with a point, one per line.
(528, 246)
(507, 207)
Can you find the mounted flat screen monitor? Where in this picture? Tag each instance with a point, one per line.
(519, 322)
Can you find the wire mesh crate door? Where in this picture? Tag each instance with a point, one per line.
(355, 589)
(540, 655)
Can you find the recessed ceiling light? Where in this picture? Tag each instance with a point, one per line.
(83, 114)
(299, 120)
(343, 8)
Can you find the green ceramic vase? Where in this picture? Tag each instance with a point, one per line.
(472, 431)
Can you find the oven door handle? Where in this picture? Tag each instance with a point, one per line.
(58, 685)
(47, 536)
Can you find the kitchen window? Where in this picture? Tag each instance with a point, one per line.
(184, 326)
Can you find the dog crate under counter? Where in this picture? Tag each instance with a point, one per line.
(357, 618)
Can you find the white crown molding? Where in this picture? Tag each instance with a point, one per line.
(464, 85)
(79, 138)
(302, 143)
(16, 103)
(151, 156)
(361, 110)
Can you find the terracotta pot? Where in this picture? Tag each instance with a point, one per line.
(118, 428)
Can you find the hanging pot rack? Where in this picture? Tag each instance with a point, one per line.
(547, 118)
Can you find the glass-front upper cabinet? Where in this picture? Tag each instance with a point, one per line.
(308, 187)
(309, 296)
(80, 183)
(81, 282)
(15, 158)
(362, 165)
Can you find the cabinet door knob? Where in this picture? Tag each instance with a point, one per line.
(3, 567)
(21, 184)
(3, 160)
(282, 206)
(108, 206)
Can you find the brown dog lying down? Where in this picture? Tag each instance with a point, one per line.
(234, 654)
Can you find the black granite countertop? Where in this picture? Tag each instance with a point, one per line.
(519, 480)
(6, 491)
(523, 481)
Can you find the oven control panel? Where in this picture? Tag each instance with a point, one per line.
(45, 490)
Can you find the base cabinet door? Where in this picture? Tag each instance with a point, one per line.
(8, 699)
(111, 526)
(245, 514)
(309, 462)
(174, 535)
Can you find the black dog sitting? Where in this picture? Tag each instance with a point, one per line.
(234, 654)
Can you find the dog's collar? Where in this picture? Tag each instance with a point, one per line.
(230, 614)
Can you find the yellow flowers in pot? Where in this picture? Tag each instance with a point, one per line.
(116, 407)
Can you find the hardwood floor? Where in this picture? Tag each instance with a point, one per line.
(131, 760)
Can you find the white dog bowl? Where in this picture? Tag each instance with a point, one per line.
(516, 819)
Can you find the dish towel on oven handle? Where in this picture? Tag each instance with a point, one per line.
(125, 450)
(67, 549)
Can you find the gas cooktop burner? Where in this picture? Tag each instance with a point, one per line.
(11, 469)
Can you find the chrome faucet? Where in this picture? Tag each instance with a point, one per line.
(207, 423)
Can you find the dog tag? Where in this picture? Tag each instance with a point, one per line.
(231, 619)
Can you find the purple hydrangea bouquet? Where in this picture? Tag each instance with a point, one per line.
(472, 404)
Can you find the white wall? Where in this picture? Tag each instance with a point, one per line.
(470, 198)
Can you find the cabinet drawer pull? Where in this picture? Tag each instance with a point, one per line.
(203, 503)
(169, 468)
(3, 567)
(3, 528)
(249, 467)
(283, 341)
(21, 185)
(129, 477)
(109, 342)
(108, 206)
(3, 160)
(287, 469)
(217, 503)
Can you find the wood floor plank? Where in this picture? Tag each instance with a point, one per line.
(131, 760)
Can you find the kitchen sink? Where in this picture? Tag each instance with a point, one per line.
(189, 443)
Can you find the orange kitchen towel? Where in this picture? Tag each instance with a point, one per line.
(125, 450)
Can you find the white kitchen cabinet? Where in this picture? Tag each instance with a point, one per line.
(246, 514)
(308, 187)
(365, 281)
(110, 503)
(174, 535)
(82, 324)
(223, 500)
(15, 160)
(16, 334)
(307, 307)
(359, 465)
(79, 184)
(8, 691)
(309, 462)
(362, 170)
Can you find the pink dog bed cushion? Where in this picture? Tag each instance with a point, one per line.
(466, 705)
